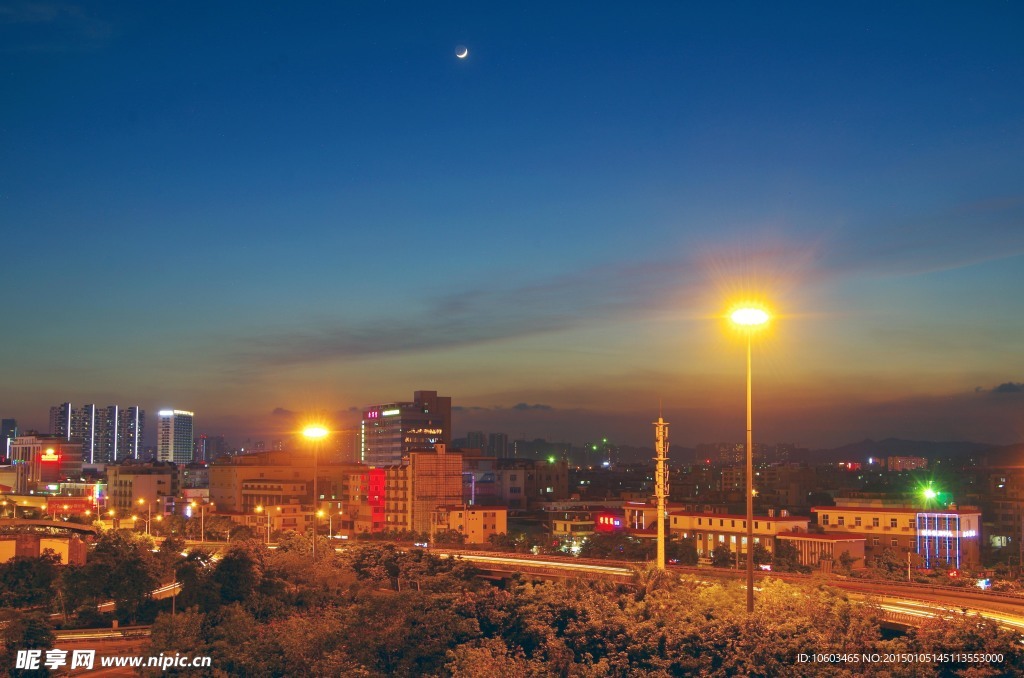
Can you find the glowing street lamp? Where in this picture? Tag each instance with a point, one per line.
(315, 433)
(749, 319)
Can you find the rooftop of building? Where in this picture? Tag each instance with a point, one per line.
(966, 510)
(736, 516)
(820, 536)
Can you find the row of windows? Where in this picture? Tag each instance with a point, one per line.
(857, 522)
(721, 538)
(732, 523)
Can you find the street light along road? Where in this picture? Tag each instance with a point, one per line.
(315, 433)
(749, 319)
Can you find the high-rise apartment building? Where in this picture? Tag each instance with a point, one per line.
(8, 431)
(497, 444)
(60, 420)
(131, 424)
(476, 440)
(392, 430)
(208, 448)
(107, 434)
(174, 436)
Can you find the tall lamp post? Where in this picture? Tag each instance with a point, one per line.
(330, 524)
(315, 433)
(202, 520)
(749, 320)
(259, 509)
(149, 511)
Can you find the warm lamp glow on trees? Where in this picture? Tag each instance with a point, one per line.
(749, 318)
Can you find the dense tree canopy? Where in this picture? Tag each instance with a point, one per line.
(382, 610)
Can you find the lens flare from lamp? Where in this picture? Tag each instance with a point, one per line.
(749, 317)
(314, 432)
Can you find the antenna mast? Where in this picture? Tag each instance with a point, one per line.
(661, 482)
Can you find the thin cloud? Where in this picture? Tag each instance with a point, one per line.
(622, 292)
(50, 27)
(481, 316)
(963, 235)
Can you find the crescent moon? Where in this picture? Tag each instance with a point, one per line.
(462, 53)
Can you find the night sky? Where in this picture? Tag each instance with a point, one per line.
(259, 210)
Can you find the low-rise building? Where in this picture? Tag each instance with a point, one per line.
(821, 551)
(147, 487)
(710, 530)
(478, 524)
(940, 537)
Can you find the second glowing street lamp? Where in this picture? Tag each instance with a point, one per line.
(315, 434)
(749, 320)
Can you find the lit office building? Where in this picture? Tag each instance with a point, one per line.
(391, 431)
(174, 436)
(49, 460)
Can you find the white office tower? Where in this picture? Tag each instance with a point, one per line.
(174, 436)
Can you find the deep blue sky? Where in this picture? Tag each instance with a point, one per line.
(236, 209)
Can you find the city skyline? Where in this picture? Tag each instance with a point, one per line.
(324, 208)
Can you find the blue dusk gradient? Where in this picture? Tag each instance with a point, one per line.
(237, 208)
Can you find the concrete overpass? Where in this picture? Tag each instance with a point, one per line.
(16, 525)
(903, 604)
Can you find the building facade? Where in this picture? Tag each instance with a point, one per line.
(388, 432)
(174, 436)
(948, 537)
(48, 459)
(107, 434)
(142, 489)
(477, 524)
(712, 530)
